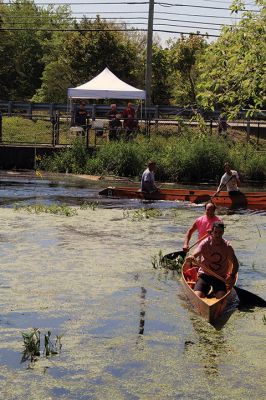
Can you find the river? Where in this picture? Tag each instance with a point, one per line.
(127, 330)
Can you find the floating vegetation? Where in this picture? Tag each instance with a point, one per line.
(143, 213)
(159, 261)
(89, 204)
(264, 319)
(52, 209)
(33, 347)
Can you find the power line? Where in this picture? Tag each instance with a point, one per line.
(126, 3)
(106, 30)
(114, 20)
(137, 23)
(129, 13)
(195, 6)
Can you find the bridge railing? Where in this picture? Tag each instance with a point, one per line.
(51, 121)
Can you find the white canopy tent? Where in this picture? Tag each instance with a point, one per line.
(106, 86)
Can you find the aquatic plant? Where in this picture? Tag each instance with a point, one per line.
(158, 261)
(89, 204)
(33, 348)
(142, 213)
(52, 209)
(264, 319)
(31, 342)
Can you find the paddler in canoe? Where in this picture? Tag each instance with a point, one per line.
(231, 180)
(202, 224)
(217, 259)
(148, 180)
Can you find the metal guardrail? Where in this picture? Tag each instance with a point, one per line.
(59, 116)
(99, 110)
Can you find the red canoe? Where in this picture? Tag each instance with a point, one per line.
(252, 200)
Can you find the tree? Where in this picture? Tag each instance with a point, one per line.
(184, 55)
(7, 50)
(161, 75)
(23, 45)
(233, 68)
(85, 52)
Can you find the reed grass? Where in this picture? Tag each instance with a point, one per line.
(190, 157)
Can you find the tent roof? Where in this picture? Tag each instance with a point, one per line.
(105, 86)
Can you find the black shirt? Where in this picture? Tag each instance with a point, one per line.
(81, 117)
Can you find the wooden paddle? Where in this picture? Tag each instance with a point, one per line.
(173, 256)
(246, 298)
(204, 198)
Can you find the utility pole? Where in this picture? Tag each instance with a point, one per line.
(149, 53)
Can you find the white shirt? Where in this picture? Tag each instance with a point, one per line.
(231, 185)
(147, 181)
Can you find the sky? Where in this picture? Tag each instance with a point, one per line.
(171, 17)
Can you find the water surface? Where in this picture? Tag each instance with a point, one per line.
(128, 332)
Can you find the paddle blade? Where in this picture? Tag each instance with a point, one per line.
(173, 256)
(248, 299)
(174, 260)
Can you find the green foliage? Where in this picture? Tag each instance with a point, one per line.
(72, 160)
(191, 157)
(184, 54)
(19, 130)
(120, 158)
(89, 204)
(233, 68)
(52, 209)
(85, 53)
(158, 261)
(24, 50)
(161, 75)
(143, 213)
(33, 346)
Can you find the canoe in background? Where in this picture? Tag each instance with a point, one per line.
(253, 200)
(209, 308)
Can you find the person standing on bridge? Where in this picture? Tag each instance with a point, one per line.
(81, 117)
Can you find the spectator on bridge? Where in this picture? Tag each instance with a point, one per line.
(222, 126)
(114, 122)
(82, 117)
(130, 122)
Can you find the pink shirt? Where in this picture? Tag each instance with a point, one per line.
(204, 224)
(216, 256)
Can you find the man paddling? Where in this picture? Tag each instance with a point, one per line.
(202, 224)
(216, 256)
(148, 180)
(231, 180)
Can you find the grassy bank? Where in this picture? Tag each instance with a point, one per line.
(192, 156)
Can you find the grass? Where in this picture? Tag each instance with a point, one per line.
(19, 129)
